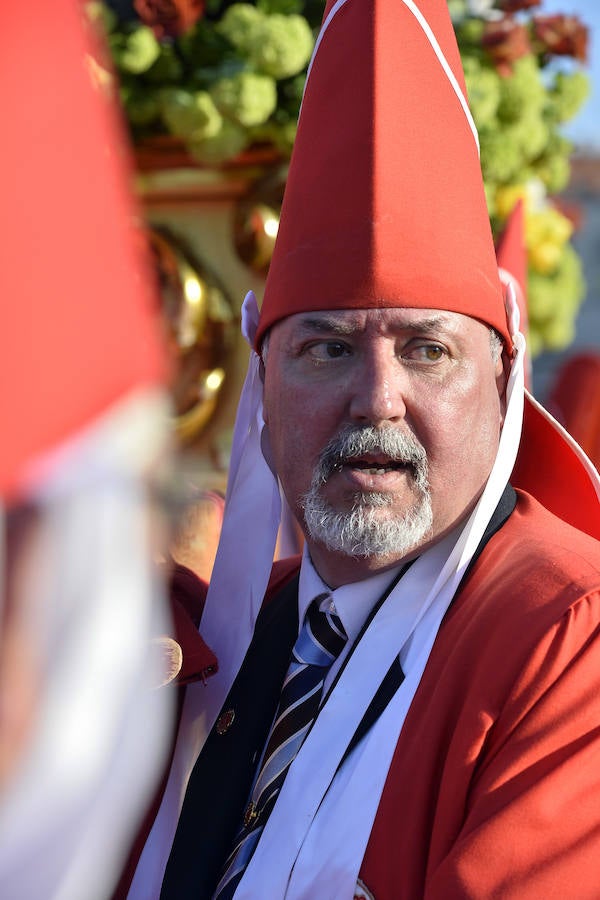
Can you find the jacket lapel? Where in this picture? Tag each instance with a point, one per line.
(221, 779)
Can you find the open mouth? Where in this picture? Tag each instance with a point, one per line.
(374, 465)
(373, 459)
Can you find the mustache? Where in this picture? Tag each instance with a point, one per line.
(352, 442)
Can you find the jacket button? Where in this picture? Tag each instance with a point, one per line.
(225, 721)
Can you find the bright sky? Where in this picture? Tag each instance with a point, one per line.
(585, 128)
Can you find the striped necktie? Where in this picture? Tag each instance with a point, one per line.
(321, 640)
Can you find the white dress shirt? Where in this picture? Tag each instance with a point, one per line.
(351, 602)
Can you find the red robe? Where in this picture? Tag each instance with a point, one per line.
(494, 787)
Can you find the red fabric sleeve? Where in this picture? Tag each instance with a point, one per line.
(188, 594)
(281, 574)
(532, 827)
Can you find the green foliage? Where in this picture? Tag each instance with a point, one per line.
(239, 24)
(290, 91)
(469, 32)
(235, 78)
(501, 154)
(136, 50)
(101, 15)
(247, 98)
(521, 93)
(553, 302)
(282, 45)
(142, 107)
(226, 144)
(567, 95)
(205, 49)
(274, 43)
(190, 115)
(167, 69)
(285, 7)
(519, 110)
(483, 89)
(555, 171)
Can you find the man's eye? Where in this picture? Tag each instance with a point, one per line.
(433, 353)
(429, 353)
(326, 350)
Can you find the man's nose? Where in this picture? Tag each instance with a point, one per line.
(379, 390)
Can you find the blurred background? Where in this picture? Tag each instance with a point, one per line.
(196, 103)
(210, 92)
(583, 191)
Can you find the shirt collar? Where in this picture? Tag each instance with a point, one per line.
(352, 602)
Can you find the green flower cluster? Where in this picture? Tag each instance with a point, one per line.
(518, 118)
(519, 111)
(278, 45)
(229, 82)
(553, 301)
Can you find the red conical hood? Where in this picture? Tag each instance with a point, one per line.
(79, 319)
(384, 203)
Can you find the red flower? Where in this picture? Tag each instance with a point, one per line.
(169, 18)
(505, 40)
(561, 36)
(512, 6)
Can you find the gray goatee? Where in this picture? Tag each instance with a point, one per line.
(361, 531)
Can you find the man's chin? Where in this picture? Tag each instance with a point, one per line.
(368, 529)
(376, 506)
(346, 502)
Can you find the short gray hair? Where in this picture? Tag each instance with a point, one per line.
(496, 344)
(264, 346)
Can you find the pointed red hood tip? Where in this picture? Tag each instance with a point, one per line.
(384, 203)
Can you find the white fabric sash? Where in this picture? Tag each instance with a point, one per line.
(92, 597)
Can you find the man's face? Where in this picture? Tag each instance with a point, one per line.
(425, 382)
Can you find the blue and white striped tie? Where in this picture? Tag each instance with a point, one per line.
(319, 643)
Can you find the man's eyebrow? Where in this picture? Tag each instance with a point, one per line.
(430, 324)
(328, 324)
(344, 326)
